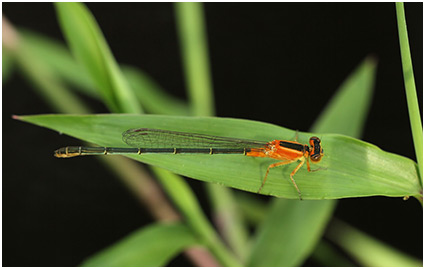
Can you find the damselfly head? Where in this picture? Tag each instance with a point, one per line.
(316, 150)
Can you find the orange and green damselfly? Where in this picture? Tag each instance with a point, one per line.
(144, 141)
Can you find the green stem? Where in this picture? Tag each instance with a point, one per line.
(409, 82)
(193, 43)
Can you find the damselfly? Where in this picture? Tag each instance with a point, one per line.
(145, 141)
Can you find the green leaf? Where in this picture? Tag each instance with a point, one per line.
(229, 220)
(154, 245)
(180, 192)
(43, 78)
(328, 255)
(153, 98)
(253, 210)
(305, 214)
(353, 168)
(366, 250)
(7, 64)
(336, 118)
(194, 49)
(89, 46)
(346, 112)
(59, 59)
(409, 82)
(63, 65)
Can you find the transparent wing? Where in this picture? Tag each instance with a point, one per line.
(155, 138)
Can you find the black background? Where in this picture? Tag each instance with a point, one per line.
(267, 61)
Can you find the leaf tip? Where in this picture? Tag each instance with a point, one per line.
(372, 59)
(16, 117)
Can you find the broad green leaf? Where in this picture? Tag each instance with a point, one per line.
(89, 46)
(409, 83)
(353, 168)
(338, 117)
(154, 245)
(367, 250)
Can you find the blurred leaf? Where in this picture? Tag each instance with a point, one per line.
(147, 91)
(229, 220)
(7, 64)
(59, 59)
(327, 255)
(254, 210)
(89, 46)
(153, 245)
(153, 98)
(184, 199)
(354, 168)
(336, 118)
(44, 79)
(277, 253)
(366, 250)
(347, 110)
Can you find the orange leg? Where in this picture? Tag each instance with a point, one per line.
(296, 170)
(272, 166)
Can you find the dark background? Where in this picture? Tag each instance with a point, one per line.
(267, 61)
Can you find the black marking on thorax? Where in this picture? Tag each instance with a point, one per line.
(291, 145)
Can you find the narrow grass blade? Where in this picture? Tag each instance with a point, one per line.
(152, 246)
(366, 250)
(409, 83)
(89, 46)
(353, 168)
(191, 29)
